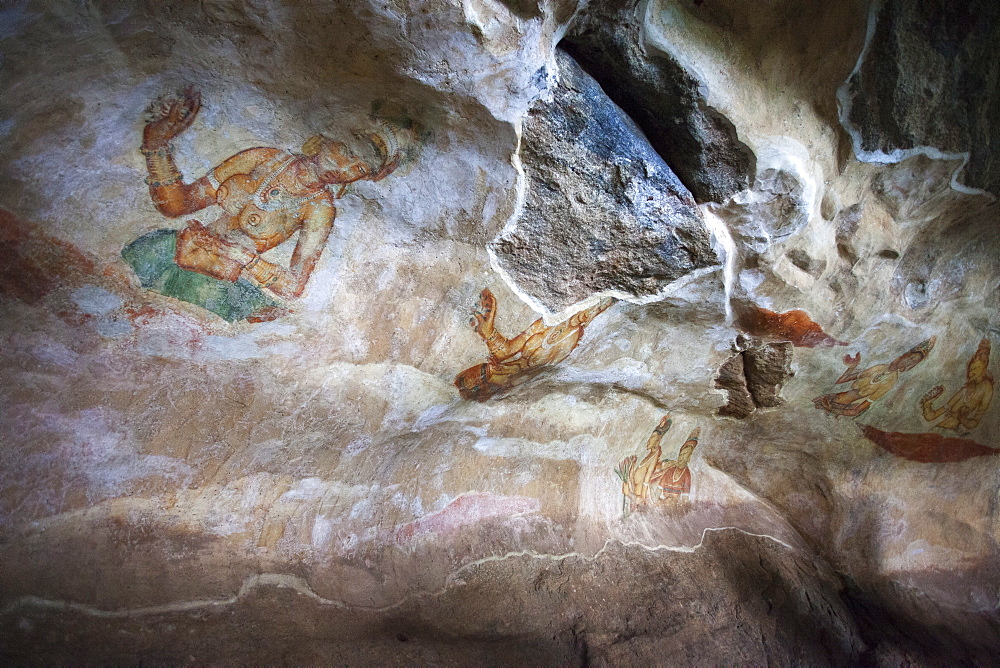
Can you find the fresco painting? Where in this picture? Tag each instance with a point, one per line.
(927, 447)
(653, 480)
(266, 194)
(961, 414)
(871, 384)
(795, 326)
(514, 360)
(964, 410)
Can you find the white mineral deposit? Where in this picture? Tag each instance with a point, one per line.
(499, 332)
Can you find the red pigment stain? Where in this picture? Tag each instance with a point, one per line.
(795, 326)
(33, 264)
(928, 447)
(467, 509)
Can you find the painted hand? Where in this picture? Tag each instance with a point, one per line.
(169, 116)
(852, 361)
(664, 425)
(482, 316)
(933, 394)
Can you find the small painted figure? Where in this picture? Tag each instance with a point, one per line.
(652, 480)
(635, 476)
(266, 194)
(673, 477)
(966, 407)
(511, 360)
(872, 384)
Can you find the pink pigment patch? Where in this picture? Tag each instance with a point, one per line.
(464, 510)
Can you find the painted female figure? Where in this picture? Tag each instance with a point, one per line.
(871, 384)
(266, 196)
(512, 360)
(636, 475)
(966, 407)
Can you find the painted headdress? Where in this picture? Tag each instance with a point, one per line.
(382, 137)
(923, 348)
(386, 142)
(692, 440)
(982, 354)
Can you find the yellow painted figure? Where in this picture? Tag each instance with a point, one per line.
(966, 407)
(637, 476)
(536, 347)
(871, 384)
(652, 479)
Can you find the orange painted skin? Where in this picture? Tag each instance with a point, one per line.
(296, 199)
(509, 359)
(871, 384)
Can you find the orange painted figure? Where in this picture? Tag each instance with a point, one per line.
(966, 407)
(511, 360)
(673, 478)
(267, 195)
(871, 384)
(651, 479)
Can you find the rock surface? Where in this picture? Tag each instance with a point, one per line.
(927, 83)
(603, 214)
(662, 97)
(309, 485)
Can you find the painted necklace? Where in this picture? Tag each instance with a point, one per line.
(265, 186)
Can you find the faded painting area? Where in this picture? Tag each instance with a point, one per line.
(372, 333)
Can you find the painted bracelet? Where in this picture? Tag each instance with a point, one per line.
(169, 182)
(161, 152)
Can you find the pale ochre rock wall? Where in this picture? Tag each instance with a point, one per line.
(179, 488)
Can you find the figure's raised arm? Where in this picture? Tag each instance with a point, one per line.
(500, 346)
(662, 428)
(484, 314)
(166, 119)
(851, 373)
(927, 404)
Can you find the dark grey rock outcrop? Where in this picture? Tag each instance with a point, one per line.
(664, 99)
(603, 212)
(929, 79)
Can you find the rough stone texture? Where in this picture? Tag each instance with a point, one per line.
(603, 213)
(662, 97)
(179, 488)
(627, 604)
(928, 82)
(753, 378)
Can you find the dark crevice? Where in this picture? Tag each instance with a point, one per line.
(698, 143)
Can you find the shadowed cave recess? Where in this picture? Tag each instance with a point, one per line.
(499, 332)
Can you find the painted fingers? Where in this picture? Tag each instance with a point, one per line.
(932, 394)
(168, 116)
(482, 314)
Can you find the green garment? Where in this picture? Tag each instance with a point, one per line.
(151, 256)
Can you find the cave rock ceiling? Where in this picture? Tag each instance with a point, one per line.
(499, 331)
